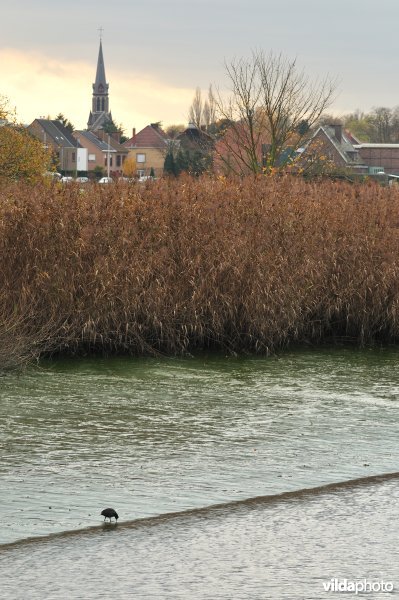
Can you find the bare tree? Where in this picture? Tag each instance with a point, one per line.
(209, 110)
(381, 119)
(195, 114)
(172, 131)
(243, 137)
(206, 113)
(272, 106)
(380, 125)
(395, 124)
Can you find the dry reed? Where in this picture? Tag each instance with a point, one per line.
(176, 266)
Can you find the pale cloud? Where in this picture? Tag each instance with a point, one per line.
(137, 100)
(182, 44)
(40, 86)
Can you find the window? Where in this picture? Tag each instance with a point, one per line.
(376, 170)
(73, 156)
(140, 158)
(118, 160)
(92, 157)
(140, 172)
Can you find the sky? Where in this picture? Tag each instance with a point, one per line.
(156, 52)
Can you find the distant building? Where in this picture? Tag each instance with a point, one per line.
(345, 151)
(120, 152)
(101, 149)
(196, 139)
(97, 150)
(198, 146)
(231, 150)
(332, 144)
(100, 113)
(380, 157)
(60, 140)
(148, 147)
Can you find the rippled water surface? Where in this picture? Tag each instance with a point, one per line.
(286, 548)
(150, 437)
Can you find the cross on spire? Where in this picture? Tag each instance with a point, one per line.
(100, 29)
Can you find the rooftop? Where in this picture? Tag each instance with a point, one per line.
(151, 136)
(56, 130)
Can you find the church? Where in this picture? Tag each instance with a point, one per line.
(97, 151)
(100, 113)
(101, 139)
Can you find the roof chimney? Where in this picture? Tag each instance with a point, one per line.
(338, 131)
(134, 131)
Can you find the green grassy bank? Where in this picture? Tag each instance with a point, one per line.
(176, 266)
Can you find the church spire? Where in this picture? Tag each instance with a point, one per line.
(100, 86)
(99, 113)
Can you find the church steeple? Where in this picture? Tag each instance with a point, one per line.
(100, 87)
(100, 102)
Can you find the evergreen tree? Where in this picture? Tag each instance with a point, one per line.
(110, 127)
(169, 166)
(182, 162)
(66, 122)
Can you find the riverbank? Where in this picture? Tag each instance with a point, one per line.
(179, 266)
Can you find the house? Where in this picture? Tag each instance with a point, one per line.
(194, 138)
(64, 146)
(118, 151)
(380, 157)
(345, 151)
(332, 148)
(198, 148)
(101, 149)
(236, 151)
(148, 147)
(97, 150)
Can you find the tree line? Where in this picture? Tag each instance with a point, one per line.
(379, 125)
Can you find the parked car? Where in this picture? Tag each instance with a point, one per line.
(53, 175)
(66, 179)
(144, 178)
(106, 180)
(82, 179)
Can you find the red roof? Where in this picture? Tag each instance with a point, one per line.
(151, 136)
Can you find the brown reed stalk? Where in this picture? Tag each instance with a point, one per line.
(241, 265)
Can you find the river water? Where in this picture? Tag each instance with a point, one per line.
(165, 440)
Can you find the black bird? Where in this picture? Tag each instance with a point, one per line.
(108, 513)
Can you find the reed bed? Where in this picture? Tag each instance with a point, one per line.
(177, 266)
